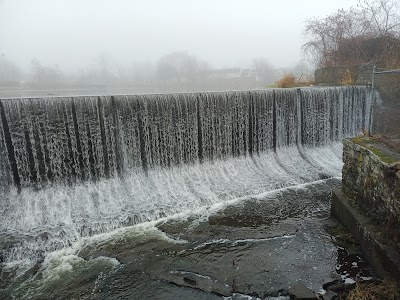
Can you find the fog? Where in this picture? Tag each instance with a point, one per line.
(70, 40)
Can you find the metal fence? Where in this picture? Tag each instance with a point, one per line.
(387, 113)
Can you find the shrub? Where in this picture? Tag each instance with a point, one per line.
(288, 80)
(387, 290)
(348, 78)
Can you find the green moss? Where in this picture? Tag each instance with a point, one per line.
(361, 140)
(387, 159)
(366, 142)
(353, 202)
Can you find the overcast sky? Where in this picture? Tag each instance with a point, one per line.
(72, 33)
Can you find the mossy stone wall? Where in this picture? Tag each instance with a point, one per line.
(374, 187)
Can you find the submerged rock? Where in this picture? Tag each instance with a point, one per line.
(300, 291)
(329, 295)
(198, 281)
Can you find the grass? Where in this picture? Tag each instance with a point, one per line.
(386, 158)
(368, 142)
(391, 143)
(348, 78)
(289, 80)
(385, 290)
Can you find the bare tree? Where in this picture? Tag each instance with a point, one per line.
(369, 32)
(9, 71)
(48, 76)
(382, 17)
(179, 66)
(102, 71)
(266, 72)
(142, 73)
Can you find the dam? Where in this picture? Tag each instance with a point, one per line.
(88, 138)
(75, 167)
(79, 175)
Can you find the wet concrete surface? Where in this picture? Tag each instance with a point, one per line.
(254, 248)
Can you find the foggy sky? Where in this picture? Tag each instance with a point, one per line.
(73, 33)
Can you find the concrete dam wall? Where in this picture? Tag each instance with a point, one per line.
(75, 167)
(87, 138)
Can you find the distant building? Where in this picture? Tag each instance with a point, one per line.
(232, 73)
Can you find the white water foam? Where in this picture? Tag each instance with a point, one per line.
(89, 165)
(52, 218)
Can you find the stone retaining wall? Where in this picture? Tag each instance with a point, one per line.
(374, 186)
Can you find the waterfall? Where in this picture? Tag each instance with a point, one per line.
(78, 166)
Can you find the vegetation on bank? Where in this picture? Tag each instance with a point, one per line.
(289, 80)
(348, 78)
(371, 142)
(380, 290)
(367, 33)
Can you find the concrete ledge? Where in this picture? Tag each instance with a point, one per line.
(383, 258)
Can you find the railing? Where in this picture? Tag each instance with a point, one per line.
(374, 71)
